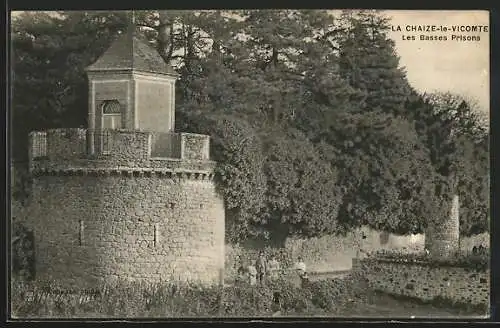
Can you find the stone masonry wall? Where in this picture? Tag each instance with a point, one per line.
(330, 253)
(67, 147)
(327, 253)
(160, 165)
(90, 229)
(127, 146)
(425, 282)
(195, 146)
(166, 145)
(66, 143)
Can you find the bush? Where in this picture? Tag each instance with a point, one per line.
(324, 294)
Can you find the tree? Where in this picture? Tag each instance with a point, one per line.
(240, 177)
(302, 196)
(50, 52)
(386, 177)
(368, 60)
(458, 142)
(473, 174)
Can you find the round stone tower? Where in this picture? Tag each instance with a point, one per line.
(442, 238)
(128, 198)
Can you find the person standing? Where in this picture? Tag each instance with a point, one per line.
(273, 268)
(241, 270)
(261, 266)
(300, 267)
(252, 275)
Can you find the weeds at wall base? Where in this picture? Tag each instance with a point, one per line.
(43, 300)
(442, 302)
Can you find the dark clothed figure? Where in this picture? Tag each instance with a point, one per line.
(261, 266)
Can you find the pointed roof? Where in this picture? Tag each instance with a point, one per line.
(131, 52)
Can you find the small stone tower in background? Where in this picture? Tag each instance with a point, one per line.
(442, 238)
(128, 198)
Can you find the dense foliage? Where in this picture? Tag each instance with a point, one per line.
(314, 126)
(387, 178)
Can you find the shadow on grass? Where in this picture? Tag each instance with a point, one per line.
(437, 305)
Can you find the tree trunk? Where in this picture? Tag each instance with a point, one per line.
(165, 36)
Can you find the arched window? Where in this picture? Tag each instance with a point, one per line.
(111, 114)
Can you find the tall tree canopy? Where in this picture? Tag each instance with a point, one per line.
(368, 60)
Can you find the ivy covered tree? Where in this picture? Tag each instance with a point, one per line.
(385, 174)
(473, 174)
(457, 137)
(302, 195)
(240, 170)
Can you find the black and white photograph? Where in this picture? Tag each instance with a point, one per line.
(264, 163)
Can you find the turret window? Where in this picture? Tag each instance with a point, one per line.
(111, 114)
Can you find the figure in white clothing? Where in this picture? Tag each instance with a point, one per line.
(252, 275)
(300, 267)
(273, 268)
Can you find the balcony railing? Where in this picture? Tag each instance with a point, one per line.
(80, 143)
(166, 145)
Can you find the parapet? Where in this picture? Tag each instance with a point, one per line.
(83, 148)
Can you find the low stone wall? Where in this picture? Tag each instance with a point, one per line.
(124, 147)
(165, 145)
(65, 143)
(425, 282)
(467, 243)
(334, 253)
(195, 146)
(327, 253)
(331, 253)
